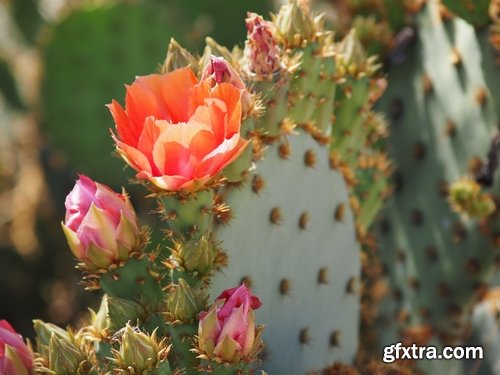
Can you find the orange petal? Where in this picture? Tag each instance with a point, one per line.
(182, 133)
(172, 183)
(223, 155)
(144, 99)
(150, 134)
(127, 132)
(231, 96)
(175, 89)
(202, 144)
(135, 158)
(218, 118)
(173, 159)
(198, 94)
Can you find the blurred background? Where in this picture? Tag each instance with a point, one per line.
(61, 61)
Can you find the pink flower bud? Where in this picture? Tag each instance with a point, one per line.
(261, 52)
(15, 357)
(100, 225)
(227, 331)
(218, 71)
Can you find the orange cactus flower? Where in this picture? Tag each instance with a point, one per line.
(176, 132)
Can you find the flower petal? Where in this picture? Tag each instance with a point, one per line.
(74, 243)
(222, 156)
(228, 349)
(231, 96)
(97, 228)
(170, 183)
(13, 362)
(144, 99)
(78, 201)
(126, 131)
(175, 88)
(135, 158)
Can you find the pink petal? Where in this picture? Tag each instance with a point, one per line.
(78, 201)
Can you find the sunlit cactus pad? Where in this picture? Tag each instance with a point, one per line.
(443, 108)
(292, 238)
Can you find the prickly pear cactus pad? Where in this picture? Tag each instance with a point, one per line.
(292, 239)
(442, 104)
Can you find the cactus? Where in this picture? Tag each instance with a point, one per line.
(302, 186)
(442, 106)
(266, 239)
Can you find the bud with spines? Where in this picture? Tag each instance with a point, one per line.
(184, 303)
(351, 57)
(44, 332)
(218, 70)
(262, 56)
(227, 331)
(100, 225)
(65, 358)
(178, 57)
(295, 26)
(466, 198)
(140, 352)
(195, 256)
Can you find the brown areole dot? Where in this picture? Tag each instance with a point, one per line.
(310, 158)
(443, 290)
(284, 150)
(443, 188)
(247, 281)
(450, 128)
(396, 109)
(335, 339)
(431, 254)
(455, 57)
(323, 276)
(304, 336)
(419, 151)
(397, 294)
(413, 283)
(417, 218)
(284, 287)
(385, 226)
(472, 266)
(481, 96)
(427, 84)
(304, 220)
(425, 313)
(350, 287)
(276, 216)
(340, 212)
(453, 310)
(401, 255)
(258, 184)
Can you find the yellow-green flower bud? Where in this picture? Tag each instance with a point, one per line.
(184, 303)
(351, 55)
(64, 356)
(295, 24)
(139, 351)
(197, 255)
(466, 198)
(178, 57)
